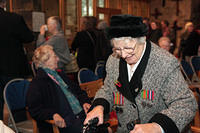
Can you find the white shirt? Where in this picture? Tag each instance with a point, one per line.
(131, 70)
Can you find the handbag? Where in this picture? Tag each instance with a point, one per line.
(72, 67)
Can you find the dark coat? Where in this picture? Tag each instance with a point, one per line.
(191, 44)
(154, 35)
(45, 98)
(85, 46)
(91, 49)
(14, 32)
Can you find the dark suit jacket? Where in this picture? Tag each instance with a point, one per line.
(45, 98)
(85, 46)
(13, 32)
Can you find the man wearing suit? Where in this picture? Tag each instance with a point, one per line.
(14, 64)
(143, 84)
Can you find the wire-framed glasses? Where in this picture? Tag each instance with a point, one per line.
(128, 50)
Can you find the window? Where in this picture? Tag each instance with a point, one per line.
(87, 8)
(101, 3)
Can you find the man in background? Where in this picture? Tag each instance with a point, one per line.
(14, 63)
(56, 39)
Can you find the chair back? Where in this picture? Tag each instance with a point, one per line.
(86, 75)
(186, 70)
(15, 97)
(100, 71)
(195, 64)
(101, 62)
(92, 87)
(33, 68)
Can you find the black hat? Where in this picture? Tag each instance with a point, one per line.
(126, 25)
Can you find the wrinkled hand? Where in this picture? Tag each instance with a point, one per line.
(96, 112)
(42, 30)
(86, 107)
(146, 128)
(59, 121)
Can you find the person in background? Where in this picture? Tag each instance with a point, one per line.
(192, 44)
(52, 96)
(56, 39)
(189, 28)
(102, 26)
(147, 22)
(14, 33)
(90, 43)
(84, 42)
(145, 85)
(167, 31)
(165, 43)
(155, 32)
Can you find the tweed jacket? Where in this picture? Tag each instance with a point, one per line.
(173, 105)
(60, 46)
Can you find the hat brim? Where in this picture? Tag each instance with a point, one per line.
(127, 31)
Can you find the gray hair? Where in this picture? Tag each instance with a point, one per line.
(139, 40)
(102, 25)
(57, 21)
(41, 55)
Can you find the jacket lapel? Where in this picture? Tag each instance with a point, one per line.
(131, 89)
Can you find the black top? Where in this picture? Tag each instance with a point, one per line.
(45, 98)
(14, 32)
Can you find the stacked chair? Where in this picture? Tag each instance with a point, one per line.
(190, 72)
(195, 64)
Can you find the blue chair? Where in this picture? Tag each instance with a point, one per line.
(195, 64)
(100, 71)
(86, 75)
(101, 62)
(187, 71)
(14, 97)
(89, 82)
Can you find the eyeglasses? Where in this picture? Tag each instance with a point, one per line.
(127, 41)
(126, 50)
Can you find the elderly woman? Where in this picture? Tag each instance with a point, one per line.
(52, 96)
(144, 85)
(165, 43)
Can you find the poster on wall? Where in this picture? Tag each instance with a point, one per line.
(38, 19)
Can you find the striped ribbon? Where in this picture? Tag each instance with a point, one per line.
(118, 98)
(147, 94)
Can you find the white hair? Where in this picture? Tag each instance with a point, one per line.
(140, 40)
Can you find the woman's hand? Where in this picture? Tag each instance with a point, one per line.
(147, 128)
(59, 121)
(86, 107)
(42, 29)
(96, 112)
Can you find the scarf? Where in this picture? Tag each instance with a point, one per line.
(73, 101)
(131, 89)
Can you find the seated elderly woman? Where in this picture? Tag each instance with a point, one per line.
(52, 96)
